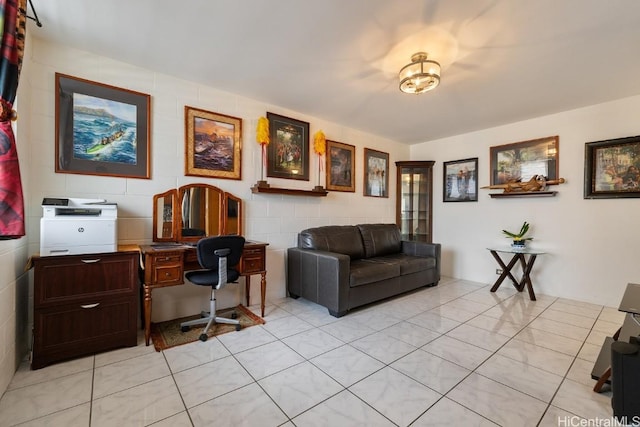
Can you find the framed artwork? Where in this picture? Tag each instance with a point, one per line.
(101, 129)
(522, 160)
(341, 166)
(460, 181)
(612, 168)
(288, 152)
(376, 173)
(213, 144)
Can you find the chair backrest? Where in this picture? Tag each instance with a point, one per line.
(207, 246)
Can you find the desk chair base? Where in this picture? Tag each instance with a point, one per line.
(210, 318)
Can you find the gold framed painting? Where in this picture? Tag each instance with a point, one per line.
(213, 145)
(341, 164)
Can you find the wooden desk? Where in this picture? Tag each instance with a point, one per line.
(165, 264)
(527, 266)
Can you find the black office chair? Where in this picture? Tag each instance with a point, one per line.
(219, 257)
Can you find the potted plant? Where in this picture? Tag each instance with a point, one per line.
(519, 238)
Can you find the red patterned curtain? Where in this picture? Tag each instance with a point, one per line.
(13, 29)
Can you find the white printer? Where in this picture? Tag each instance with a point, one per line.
(78, 226)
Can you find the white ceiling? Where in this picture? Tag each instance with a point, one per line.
(503, 60)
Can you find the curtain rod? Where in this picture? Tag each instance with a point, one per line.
(35, 15)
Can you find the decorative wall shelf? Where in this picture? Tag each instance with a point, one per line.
(289, 191)
(523, 194)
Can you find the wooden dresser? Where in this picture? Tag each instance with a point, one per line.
(83, 304)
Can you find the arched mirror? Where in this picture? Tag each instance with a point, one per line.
(164, 215)
(197, 210)
(201, 212)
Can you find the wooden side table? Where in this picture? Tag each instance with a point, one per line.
(527, 266)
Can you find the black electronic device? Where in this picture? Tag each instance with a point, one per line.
(625, 377)
(54, 201)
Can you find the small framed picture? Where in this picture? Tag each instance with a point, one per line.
(612, 168)
(460, 181)
(376, 173)
(213, 145)
(341, 166)
(288, 152)
(101, 129)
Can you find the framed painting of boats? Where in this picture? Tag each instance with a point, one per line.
(213, 144)
(101, 129)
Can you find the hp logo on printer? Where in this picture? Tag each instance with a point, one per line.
(81, 229)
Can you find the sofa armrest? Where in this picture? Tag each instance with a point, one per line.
(424, 249)
(319, 276)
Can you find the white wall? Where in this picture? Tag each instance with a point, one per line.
(591, 244)
(274, 219)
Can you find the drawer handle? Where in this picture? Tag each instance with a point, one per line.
(90, 305)
(166, 274)
(90, 261)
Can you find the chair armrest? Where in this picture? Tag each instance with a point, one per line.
(222, 252)
(319, 276)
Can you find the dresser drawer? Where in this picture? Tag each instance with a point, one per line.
(71, 278)
(164, 269)
(252, 262)
(168, 259)
(167, 274)
(90, 326)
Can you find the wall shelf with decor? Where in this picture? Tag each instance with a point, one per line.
(524, 194)
(289, 191)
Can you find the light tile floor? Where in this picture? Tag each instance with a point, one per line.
(454, 354)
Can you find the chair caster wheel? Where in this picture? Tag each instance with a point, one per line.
(203, 337)
(234, 315)
(185, 328)
(238, 327)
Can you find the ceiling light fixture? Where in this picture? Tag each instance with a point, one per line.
(421, 75)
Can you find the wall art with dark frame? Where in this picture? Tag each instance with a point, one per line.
(611, 168)
(520, 161)
(341, 167)
(376, 173)
(101, 129)
(288, 151)
(213, 145)
(460, 181)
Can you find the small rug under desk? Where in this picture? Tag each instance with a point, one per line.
(168, 334)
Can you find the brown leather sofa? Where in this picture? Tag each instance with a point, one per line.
(344, 267)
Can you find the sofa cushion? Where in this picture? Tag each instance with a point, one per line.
(380, 239)
(410, 264)
(365, 271)
(342, 239)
